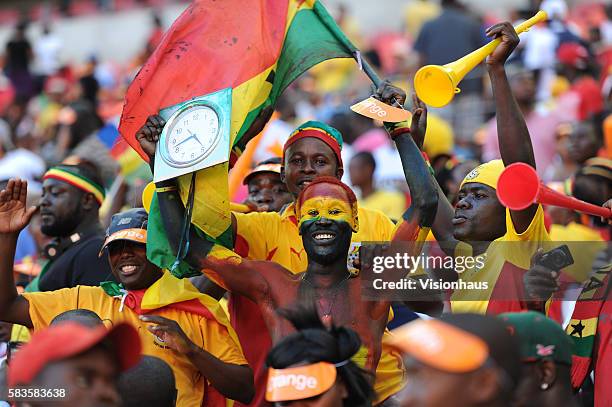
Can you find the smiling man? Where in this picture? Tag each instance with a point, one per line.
(178, 324)
(327, 216)
(312, 151)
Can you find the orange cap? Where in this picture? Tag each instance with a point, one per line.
(301, 382)
(441, 345)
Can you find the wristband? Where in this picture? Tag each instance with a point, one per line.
(396, 129)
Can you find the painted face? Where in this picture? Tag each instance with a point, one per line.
(326, 207)
(305, 160)
(268, 192)
(479, 216)
(326, 221)
(90, 379)
(60, 208)
(130, 266)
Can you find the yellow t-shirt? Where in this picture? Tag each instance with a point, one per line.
(391, 203)
(502, 263)
(273, 236)
(276, 237)
(205, 333)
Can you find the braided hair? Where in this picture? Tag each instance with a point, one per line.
(315, 343)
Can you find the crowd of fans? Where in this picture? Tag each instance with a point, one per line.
(90, 318)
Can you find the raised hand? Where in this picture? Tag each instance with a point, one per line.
(148, 135)
(170, 332)
(390, 94)
(509, 40)
(418, 127)
(14, 215)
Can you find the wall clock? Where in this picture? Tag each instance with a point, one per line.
(196, 135)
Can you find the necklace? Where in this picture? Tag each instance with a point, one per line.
(326, 318)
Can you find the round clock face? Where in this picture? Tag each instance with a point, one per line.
(191, 136)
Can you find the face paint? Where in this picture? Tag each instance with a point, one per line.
(326, 207)
(328, 201)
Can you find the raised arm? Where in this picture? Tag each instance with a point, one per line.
(419, 217)
(14, 217)
(513, 135)
(222, 266)
(425, 187)
(148, 136)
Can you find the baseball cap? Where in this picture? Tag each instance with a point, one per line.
(440, 345)
(540, 337)
(69, 339)
(460, 343)
(266, 166)
(128, 225)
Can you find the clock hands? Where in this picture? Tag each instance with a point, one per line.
(189, 138)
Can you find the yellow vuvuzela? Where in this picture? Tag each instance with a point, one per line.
(437, 85)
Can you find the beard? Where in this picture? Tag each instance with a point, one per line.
(61, 226)
(329, 253)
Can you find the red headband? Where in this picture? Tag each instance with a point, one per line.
(318, 134)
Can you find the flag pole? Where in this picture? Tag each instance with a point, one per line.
(333, 27)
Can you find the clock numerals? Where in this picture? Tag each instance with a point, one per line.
(193, 135)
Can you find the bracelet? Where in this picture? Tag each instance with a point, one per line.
(166, 189)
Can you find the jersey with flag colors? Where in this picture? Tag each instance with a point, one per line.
(256, 48)
(199, 316)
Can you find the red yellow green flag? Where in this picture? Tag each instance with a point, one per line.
(256, 48)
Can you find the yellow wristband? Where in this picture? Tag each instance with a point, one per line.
(166, 189)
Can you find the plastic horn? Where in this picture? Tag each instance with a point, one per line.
(437, 85)
(519, 187)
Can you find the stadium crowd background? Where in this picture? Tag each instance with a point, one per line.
(61, 101)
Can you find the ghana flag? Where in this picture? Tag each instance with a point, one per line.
(256, 48)
(584, 324)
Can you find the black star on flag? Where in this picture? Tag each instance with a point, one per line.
(577, 331)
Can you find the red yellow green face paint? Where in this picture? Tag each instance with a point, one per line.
(325, 207)
(329, 201)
